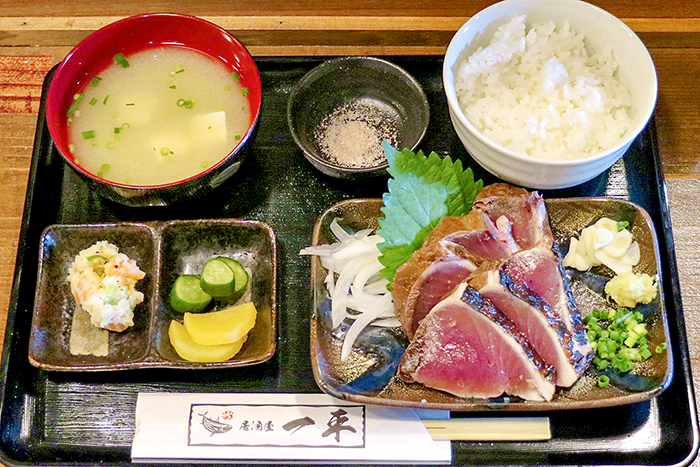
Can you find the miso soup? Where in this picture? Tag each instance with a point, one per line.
(158, 116)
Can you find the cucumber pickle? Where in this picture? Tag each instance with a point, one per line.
(187, 295)
(218, 279)
(222, 278)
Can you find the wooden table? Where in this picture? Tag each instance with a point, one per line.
(36, 35)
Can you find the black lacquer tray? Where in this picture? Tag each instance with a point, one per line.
(51, 418)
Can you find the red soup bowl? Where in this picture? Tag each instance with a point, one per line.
(124, 38)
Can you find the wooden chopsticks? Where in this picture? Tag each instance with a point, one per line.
(490, 429)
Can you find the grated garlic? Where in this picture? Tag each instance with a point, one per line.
(628, 289)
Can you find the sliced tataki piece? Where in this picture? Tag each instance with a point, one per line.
(187, 295)
(241, 277)
(218, 279)
(221, 327)
(194, 352)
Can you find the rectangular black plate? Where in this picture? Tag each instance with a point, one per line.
(88, 419)
(183, 247)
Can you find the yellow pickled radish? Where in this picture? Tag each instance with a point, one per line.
(194, 352)
(221, 327)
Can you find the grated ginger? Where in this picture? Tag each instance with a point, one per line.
(628, 289)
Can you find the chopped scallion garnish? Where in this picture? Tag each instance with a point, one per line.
(619, 339)
(89, 134)
(172, 86)
(94, 82)
(117, 130)
(105, 167)
(165, 152)
(245, 91)
(110, 145)
(227, 87)
(104, 102)
(129, 104)
(235, 76)
(93, 101)
(187, 104)
(121, 60)
(76, 100)
(125, 126)
(622, 225)
(237, 137)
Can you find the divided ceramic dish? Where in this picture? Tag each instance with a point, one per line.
(368, 376)
(163, 250)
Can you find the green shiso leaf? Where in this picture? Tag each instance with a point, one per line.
(422, 191)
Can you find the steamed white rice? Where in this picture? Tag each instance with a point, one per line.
(536, 91)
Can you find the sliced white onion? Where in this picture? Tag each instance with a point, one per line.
(378, 286)
(367, 273)
(365, 246)
(371, 303)
(354, 283)
(320, 250)
(392, 322)
(339, 232)
(339, 298)
(330, 282)
(353, 332)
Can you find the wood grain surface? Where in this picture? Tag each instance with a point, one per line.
(36, 35)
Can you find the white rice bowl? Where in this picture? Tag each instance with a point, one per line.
(536, 90)
(556, 99)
